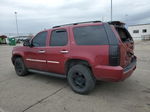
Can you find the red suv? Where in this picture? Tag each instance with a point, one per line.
(81, 52)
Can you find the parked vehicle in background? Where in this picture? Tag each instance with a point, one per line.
(81, 52)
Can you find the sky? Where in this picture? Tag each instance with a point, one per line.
(36, 15)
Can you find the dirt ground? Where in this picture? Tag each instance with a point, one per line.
(38, 93)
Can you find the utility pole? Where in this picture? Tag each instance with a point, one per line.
(16, 23)
(102, 19)
(111, 11)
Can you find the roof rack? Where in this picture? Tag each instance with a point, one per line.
(76, 23)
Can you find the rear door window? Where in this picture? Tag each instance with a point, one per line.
(59, 38)
(90, 35)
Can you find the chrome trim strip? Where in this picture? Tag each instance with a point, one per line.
(36, 60)
(53, 62)
(64, 52)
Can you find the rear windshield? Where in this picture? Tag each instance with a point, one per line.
(90, 35)
(124, 34)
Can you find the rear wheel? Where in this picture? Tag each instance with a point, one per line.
(20, 68)
(81, 79)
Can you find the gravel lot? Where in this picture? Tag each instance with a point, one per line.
(38, 93)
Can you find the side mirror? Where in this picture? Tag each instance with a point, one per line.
(27, 43)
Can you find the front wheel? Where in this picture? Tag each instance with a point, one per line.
(81, 79)
(20, 68)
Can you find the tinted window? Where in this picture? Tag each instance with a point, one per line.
(58, 38)
(40, 39)
(90, 35)
(135, 31)
(144, 30)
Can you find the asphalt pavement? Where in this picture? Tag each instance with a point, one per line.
(39, 93)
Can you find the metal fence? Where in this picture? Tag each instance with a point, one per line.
(145, 37)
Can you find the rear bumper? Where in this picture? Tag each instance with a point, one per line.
(114, 73)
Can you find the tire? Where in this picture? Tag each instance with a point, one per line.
(81, 79)
(20, 68)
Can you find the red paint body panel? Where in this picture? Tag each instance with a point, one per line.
(32, 53)
(110, 73)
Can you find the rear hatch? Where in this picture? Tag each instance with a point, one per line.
(126, 46)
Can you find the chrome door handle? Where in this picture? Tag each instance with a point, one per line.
(64, 52)
(41, 51)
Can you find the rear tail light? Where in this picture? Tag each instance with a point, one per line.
(114, 55)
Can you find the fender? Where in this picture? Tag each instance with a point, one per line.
(17, 52)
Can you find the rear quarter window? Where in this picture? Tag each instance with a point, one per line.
(90, 35)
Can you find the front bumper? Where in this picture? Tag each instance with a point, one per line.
(114, 73)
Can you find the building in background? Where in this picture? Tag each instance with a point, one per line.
(140, 31)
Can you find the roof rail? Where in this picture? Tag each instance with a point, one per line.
(76, 23)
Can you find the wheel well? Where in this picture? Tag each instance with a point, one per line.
(14, 57)
(73, 62)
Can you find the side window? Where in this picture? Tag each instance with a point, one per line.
(90, 35)
(39, 40)
(59, 38)
(144, 30)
